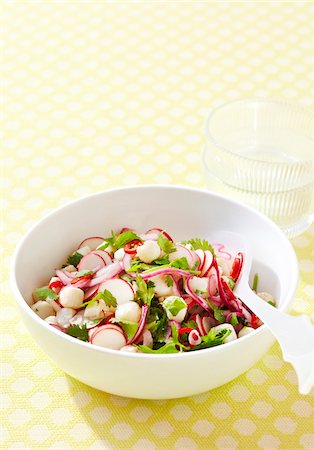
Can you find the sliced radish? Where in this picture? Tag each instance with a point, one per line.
(200, 253)
(149, 236)
(126, 261)
(158, 231)
(92, 242)
(104, 255)
(90, 292)
(90, 262)
(141, 325)
(120, 289)
(182, 252)
(109, 336)
(207, 263)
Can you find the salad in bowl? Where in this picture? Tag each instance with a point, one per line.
(147, 293)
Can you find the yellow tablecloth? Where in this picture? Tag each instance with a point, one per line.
(108, 94)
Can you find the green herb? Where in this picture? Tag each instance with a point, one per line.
(83, 273)
(231, 282)
(173, 346)
(198, 243)
(137, 265)
(255, 282)
(157, 321)
(196, 264)
(126, 277)
(145, 292)
(190, 324)
(218, 313)
(234, 320)
(199, 292)
(174, 305)
(212, 339)
(45, 293)
(79, 332)
(119, 241)
(163, 260)
(166, 245)
(74, 259)
(272, 303)
(169, 280)
(128, 327)
(180, 263)
(106, 296)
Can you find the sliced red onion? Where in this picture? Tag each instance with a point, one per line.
(90, 292)
(81, 284)
(219, 248)
(141, 325)
(199, 324)
(196, 297)
(212, 284)
(146, 275)
(105, 274)
(63, 277)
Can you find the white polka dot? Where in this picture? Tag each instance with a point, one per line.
(239, 393)
(22, 385)
(307, 441)
(226, 443)
(39, 433)
(101, 444)
(285, 425)
(261, 409)
(256, 376)
(144, 444)
(40, 400)
(292, 377)
(302, 408)
(278, 392)
(24, 355)
(82, 398)
(203, 427)
(300, 241)
(122, 431)
(185, 443)
(245, 427)
(100, 414)
(162, 428)
(60, 385)
(221, 410)
(42, 369)
(273, 362)
(7, 341)
(60, 416)
(119, 401)
(19, 416)
(306, 265)
(300, 305)
(80, 432)
(309, 290)
(181, 412)
(201, 398)
(141, 413)
(267, 442)
(18, 446)
(6, 370)
(58, 445)
(5, 400)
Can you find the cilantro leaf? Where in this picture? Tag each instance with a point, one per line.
(170, 347)
(169, 280)
(255, 282)
(157, 321)
(83, 273)
(166, 245)
(190, 324)
(124, 238)
(128, 327)
(137, 265)
(145, 292)
(163, 260)
(106, 296)
(218, 313)
(45, 293)
(180, 263)
(74, 259)
(234, 320)
(212, 339)
(198, 243)
(79, 332)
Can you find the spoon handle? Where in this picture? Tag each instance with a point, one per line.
(295, 334)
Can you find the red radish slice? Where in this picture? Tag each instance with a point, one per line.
(104, 255)
(182, 252)
(198, 321)
(158, 231)
(92, 242)
(207, 263)
(90, 262)
(106, 273)
(126, 261)
(90, 292)
(141, 325)
(200, 253)
(212, 284)
(207, 323)
(147, 274)
(196, 259)
(148, 339)
(109, 336)
(120, 289)
(149, 237)
(63, 277)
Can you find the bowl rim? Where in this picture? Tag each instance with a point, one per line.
(116, 353)
(247, 100)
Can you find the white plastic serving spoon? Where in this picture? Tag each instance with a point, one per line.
(295, 334)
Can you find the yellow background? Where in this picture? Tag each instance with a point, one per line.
(108, 94)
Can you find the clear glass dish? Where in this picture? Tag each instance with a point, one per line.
(262, 152)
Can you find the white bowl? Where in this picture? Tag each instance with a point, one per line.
(184, 213)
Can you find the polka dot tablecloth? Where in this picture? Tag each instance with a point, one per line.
(101, 94)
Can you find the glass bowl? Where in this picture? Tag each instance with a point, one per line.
(261, 152)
